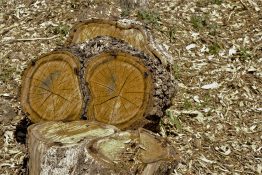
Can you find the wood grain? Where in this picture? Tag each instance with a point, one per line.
(50, 88)
(120, 88)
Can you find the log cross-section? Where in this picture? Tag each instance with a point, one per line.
(112, 73)
(50, 88)
(120, 88)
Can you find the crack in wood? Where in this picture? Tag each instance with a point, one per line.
(52, 93)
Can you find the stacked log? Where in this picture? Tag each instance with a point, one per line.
(112, 73)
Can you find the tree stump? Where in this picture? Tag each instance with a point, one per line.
(93, 148)
(133, 152)
(57, 147)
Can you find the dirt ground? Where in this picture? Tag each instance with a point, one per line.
(216, 118)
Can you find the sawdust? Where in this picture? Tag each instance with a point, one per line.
(215, 120)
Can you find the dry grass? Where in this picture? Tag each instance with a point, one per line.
(215, 120)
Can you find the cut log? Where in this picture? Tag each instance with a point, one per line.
(58, 148)
(120, 88)
(91, 148)
(123, 79)
(50, 88)
(132, 32)
(125, 87)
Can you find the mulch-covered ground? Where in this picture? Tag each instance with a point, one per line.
(216, 118)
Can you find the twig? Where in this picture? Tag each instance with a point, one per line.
(257, 47)
(244, 5)
(6, 164)
(31, 39)
(229, 17)
(247, 172)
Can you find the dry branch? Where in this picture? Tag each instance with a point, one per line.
(31, 39)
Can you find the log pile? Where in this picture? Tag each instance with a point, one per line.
(113, 74)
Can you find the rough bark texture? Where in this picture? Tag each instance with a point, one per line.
(92, 148)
